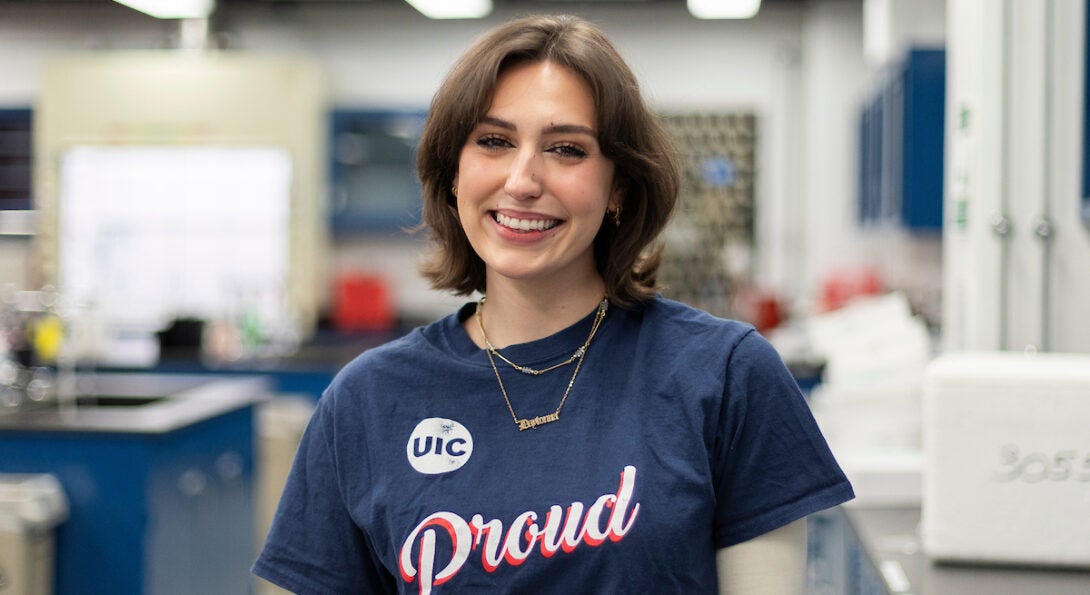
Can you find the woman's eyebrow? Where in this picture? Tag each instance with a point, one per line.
(494, 121)
(551, 129)
(571, 129)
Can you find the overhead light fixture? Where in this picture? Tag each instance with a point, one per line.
(452, 9)
(172, 9)
(723, 9)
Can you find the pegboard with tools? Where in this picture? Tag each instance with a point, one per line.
(709, 243)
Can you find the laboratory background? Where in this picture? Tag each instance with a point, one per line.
(204, 215)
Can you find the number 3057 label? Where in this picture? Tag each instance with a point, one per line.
(1033, 467)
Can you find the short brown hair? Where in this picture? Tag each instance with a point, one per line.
(629, 134)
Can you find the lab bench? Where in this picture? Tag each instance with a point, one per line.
(307, 371)
(159, 474)
(877, 551)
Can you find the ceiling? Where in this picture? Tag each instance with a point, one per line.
(228, 8)
(380, 2)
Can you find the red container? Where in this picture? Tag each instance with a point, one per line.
(362, 303)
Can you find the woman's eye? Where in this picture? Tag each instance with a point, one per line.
(567, 150)
(492, 142)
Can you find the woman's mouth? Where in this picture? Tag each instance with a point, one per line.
(525, 225)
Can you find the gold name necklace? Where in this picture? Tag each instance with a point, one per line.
(527, 424)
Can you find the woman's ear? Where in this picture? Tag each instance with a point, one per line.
(616, 203)
(452, 198)
(616, 197)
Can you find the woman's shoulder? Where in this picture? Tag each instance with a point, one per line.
(690, 332)
(675, 317)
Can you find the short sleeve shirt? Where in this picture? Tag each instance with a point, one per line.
(682, 433)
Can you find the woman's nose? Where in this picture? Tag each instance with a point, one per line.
(524, 176)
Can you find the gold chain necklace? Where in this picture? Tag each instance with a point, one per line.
(526, 424)
(528, 370)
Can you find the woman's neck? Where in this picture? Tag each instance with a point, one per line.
(517, 312)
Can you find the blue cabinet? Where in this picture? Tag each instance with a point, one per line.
(901, 138)
(1085, 211)
(15, 159)
(373, 181)
(161, 495)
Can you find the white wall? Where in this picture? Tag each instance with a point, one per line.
(834, 80)
(799, 68)
(893, 26)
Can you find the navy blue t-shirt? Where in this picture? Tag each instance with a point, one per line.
(683, 433)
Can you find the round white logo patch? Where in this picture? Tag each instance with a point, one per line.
(439, 445)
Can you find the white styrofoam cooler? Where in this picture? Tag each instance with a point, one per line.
(1007, 458)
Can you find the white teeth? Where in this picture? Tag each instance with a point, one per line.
(526, 224)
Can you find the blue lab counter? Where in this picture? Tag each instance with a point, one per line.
(158, 471)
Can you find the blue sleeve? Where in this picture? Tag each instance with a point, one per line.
(314, 546)
(772, 466)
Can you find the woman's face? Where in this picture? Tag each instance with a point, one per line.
(532, 183)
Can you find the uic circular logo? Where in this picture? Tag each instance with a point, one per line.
(439, 445)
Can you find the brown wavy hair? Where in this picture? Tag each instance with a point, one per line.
(629, 134)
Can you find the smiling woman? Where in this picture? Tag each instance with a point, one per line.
(533, 187)
(572, 431)
(628, 135)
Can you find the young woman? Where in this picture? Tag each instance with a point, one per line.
(572, 431)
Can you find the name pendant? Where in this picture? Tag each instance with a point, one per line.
(532, 424)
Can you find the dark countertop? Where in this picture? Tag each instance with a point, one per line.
(141, 403)
(890, 537)
(326, 351)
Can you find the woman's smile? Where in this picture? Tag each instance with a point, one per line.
(524, 229)
(528, 224)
